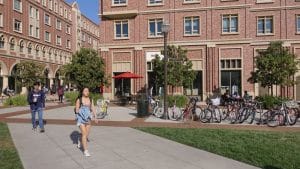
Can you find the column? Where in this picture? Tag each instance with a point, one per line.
(51, 81)
(212, 70)
(139, 67)
(5, 81)
(107, 90)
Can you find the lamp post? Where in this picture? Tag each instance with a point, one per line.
(165, 31)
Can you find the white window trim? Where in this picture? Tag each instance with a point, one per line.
(117, 38)
(193, 34)
(264, 1)
(192, 2)
(117, 5)
(156, 4)
(49, 24)
(155, 36)
(60, 25)
(49, 37)
(265, 34)
(297, 17)
(238, 26)
(1, 20)
(68, 47)
(21, 7)
(57, 40)
(21, 26)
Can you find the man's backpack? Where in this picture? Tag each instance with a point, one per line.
(80, 103)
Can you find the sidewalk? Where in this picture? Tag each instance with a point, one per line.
(111, 148)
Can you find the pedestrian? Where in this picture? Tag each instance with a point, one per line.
(60, 92)
(36, 100)
(84, 110)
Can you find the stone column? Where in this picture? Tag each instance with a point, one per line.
(5, 81)
(51, 81)
(212, 70)
(139, 67)
(107, 90)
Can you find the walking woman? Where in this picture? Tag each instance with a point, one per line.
(84, 110)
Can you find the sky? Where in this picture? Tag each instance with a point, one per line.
(89, 8)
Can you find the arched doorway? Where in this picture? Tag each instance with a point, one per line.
(14, 81)
(57, 80)
(46, 80)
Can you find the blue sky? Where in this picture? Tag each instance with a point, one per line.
(89, 8)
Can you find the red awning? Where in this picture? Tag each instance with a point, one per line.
(127, 75)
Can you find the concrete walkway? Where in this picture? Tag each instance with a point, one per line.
(111, 148)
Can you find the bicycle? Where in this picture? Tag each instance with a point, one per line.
(174, 113)
(158, 110)
(191, 110)
(211, 113)
(283, 116)
(101, 108)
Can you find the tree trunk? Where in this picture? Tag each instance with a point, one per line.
(271, 90)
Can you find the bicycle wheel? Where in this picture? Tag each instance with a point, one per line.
(205, 116)
(159, 112)
(232, 117)
(275, 119)
(198, 112)
(292, 116)
(243, 113)
(217, 115)
(225, 112)
(250, 116)
(99, 113)
(174, 113)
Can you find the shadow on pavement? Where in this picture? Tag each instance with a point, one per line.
(74, 136)
(270, 167)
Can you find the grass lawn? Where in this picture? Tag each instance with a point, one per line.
(268, 150)
(9, 158)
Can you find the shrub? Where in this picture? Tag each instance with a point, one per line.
(18, 100)
(72, 97)
(270, 101)
(180, 100)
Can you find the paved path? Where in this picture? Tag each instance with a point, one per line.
(111, 148)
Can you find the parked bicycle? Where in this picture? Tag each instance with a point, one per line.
(211, 113)
(101, 108)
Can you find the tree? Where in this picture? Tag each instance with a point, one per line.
(28, 72)
(274, 66)
(86, 69)
(179, 72)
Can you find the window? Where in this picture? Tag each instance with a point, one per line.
(37, 50)
(265, 25)
(231, 64)
(55, 7)
(192, 25)
(21, 47)
(58, 24)
(155, 27)
(297, 23)
(50, 4)
(83, 37)
(37, 16)
(1, 42)
(12, 44)
(37, 32)
(18, 5)
(121, 29)
(31, 12)
(1, 1)
(231, 75)
(68, 29)
(44, 51)
(29, 49)
(230, 24)
(47, 19)
(191, 1)
(1, 20)
(68, 44)
(155, 2)
(264, 1)
(119, 2)
(58, 40)
(30, 30)
(17, 26)
(66, 13)
(61, 10)
(44, 2)
(47, 36)
(90, 40)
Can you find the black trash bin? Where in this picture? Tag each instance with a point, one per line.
(142, 108)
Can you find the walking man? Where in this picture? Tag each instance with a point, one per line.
(60, 93)
(36, 100)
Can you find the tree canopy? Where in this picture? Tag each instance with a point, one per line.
(86, 69)
(274, 66)
(179, 72)
(28, 72)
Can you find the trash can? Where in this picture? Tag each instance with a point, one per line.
(142, 108)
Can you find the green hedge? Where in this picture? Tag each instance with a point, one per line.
(180, 100)
(72, 97)
(270, 101)
(18, 100)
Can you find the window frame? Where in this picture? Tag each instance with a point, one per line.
(49, 33)
(230, 16)
(128, 28)
(264, 30)
(21, 6)
(298, 24)
(49, 19)
(119, 4)
(20, 26)
(192, 27)
(155, 3)
(156, 33)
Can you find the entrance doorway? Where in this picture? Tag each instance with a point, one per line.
(231, 80)
(196, 88)
(122, 86)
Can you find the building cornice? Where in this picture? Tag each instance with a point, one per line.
(274, 8)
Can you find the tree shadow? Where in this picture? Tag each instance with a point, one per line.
(270, 167)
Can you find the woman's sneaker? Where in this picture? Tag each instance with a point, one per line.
(86, 153)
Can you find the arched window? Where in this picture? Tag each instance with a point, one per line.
(21, 46)
(12, 44)
(44, 51)
(1, 41)
(37, 50)
(29, 48)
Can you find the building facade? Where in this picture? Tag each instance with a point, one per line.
(222, 38)
(41, 31)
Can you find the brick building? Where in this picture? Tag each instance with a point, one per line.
(45, 31)
(222, 38)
